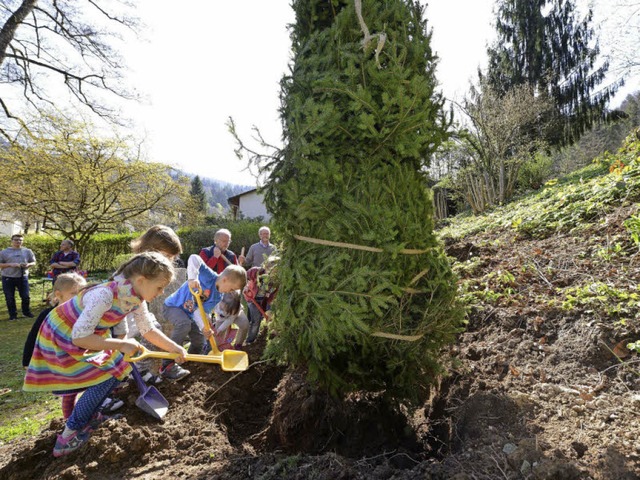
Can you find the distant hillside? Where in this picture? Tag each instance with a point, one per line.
(218, 191)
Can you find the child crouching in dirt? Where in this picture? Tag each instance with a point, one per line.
(75, 351)
(227, 312)
(181, 309)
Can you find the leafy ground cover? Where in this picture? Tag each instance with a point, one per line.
(543, 385)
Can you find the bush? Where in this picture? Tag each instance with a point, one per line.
(244, 233)
(96, 255)
(535, 172)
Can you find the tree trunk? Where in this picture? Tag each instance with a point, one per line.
(11, 25)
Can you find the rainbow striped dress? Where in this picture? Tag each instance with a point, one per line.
(59, 365)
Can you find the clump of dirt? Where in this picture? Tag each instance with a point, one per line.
(539, 391)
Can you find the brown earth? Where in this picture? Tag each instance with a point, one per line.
(537, 393)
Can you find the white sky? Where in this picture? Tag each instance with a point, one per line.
(227, 60)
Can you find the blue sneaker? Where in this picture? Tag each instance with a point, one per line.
(65, 446)
(174, 372)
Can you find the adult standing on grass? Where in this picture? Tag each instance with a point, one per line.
(218, 255)
(15, 262)
(258, 252)
(65, 260)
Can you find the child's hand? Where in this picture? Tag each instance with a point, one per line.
(180, 351)
(195, 285)
(129, 346)
(207, 332)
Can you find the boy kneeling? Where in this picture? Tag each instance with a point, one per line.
(181, 309)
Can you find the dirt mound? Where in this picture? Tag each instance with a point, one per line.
(307, 421)
(542, 389)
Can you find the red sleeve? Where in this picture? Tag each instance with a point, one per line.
(209, 261)
(251, 288)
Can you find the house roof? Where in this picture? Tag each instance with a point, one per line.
(235, 200)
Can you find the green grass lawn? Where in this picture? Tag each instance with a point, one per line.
(21, 413)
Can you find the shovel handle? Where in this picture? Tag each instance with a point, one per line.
(143, 353)
(196, 293)
(205, 318)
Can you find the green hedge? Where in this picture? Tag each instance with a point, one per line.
(97, 255)
(244, 233)
(101, 253)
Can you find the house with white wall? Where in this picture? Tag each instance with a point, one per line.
(249, 204)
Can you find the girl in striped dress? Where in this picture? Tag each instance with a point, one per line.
(75, 351)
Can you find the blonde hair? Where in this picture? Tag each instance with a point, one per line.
(150, 265)
(236, 274)
(158, 238)
(65, 282)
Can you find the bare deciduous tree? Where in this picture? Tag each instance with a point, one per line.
(62, 40)
(503, 133)
(620, 25)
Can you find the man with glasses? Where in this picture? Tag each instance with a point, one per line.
(15, 262)
(218, 255)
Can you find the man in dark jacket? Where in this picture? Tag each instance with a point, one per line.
(217, 256)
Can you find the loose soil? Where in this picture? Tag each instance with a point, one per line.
(537, 392)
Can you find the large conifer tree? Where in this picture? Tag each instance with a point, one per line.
(198, 195)
(544, 44)
(361, 118)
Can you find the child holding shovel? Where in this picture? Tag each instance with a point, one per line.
(164, 240)
(75, 351)
(181, 309)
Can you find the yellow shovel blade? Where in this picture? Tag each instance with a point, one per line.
(232, 360)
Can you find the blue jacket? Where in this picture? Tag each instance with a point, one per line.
(182, 298)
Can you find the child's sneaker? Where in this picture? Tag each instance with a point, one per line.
(110, 405)
(173, 371)
(65, 446)
(149, 378)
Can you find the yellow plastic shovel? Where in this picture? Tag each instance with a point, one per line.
(229, 366)
(230, 360)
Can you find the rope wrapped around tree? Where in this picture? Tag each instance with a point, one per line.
(367, 298)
